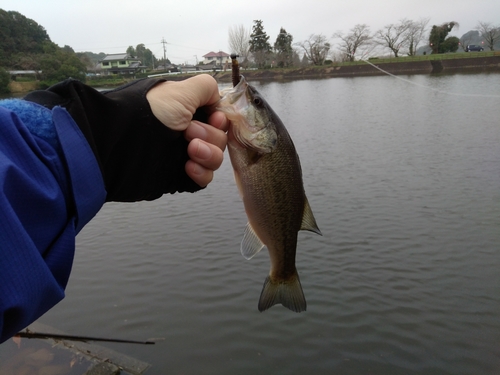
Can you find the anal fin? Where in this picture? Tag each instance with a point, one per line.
(308, 220)
(251, 244)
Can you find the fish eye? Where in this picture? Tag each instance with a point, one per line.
(257, 101)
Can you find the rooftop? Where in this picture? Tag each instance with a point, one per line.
(216, 54)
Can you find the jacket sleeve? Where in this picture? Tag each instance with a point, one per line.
(51, 186)
(139, 157)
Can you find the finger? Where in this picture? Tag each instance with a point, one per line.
(206, 133)
(206, 154)
(200, 90)
(219, 120)
(202, 176)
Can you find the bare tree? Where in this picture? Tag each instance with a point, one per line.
(393, 36)
(350, 43)
(315, 48)
(239, 38)
(489, 32)
(415, 34)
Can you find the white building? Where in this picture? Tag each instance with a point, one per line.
(220, 58)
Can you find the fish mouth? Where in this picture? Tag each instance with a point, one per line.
(234, 96)
(245, 129)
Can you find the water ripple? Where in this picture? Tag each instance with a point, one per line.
(404, 186)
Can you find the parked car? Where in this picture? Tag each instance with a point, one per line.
(473, 47)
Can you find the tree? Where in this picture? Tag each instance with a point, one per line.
(239, 41)
(437, 38)
(315, 48)
(450, 44)
(393, 36)
(139, 51)
(350, 43)
(415, 34)
(489, 32)
(61, 65)
(4, 81)
(19, 34)
(86, 61)
(259, 45)
(283, 48)
(295, 58)
(304, 61)
(131, 51)
(145, 55)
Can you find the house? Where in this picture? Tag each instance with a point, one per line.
(121, 63)
(220, 58)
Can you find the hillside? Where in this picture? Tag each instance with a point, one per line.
(19, 35)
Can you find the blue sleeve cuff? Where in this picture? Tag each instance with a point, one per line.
(36, 118)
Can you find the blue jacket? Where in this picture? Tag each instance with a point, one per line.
(64, 152)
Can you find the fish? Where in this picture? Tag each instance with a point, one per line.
(269, 179)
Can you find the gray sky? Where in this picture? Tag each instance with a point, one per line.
(196, 27)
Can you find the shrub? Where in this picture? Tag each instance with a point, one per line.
(4, 81)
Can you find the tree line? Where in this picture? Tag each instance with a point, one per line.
(404, 37)
(25, 45)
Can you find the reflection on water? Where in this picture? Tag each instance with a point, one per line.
(404, 183)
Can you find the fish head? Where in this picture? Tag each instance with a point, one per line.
(251, 117)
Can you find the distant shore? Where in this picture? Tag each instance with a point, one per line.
(400, 67)
(446, 64)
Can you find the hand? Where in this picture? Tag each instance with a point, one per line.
(174, 104)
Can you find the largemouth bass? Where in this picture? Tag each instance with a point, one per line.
(269, 178)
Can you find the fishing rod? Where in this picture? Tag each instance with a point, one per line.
(39, 335)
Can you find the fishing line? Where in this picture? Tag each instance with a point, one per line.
(429, 87)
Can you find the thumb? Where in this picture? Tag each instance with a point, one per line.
(174, 103)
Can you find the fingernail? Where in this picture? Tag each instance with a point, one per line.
(203, 152)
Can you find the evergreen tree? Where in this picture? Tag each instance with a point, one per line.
(131, 51)
(283, 49)
(438, 41)
(259, 44)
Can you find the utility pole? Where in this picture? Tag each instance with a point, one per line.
(164, 51)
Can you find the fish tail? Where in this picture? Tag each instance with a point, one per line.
(289, 293)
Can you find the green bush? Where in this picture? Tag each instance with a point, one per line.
(4, 81)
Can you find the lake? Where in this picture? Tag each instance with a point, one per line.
(403, 176)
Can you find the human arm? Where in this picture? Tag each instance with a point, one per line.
(138, 133)
(119, 150)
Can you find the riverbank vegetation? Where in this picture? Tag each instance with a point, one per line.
(29, 59)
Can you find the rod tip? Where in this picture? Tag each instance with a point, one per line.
(234, 56)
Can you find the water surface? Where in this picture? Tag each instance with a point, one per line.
(404, 182)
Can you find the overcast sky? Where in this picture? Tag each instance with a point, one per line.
(196, 27)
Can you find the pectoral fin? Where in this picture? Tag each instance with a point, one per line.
(251, 244)
(308, 220)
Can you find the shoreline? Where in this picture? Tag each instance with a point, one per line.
(485, 64)
(488, 63)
